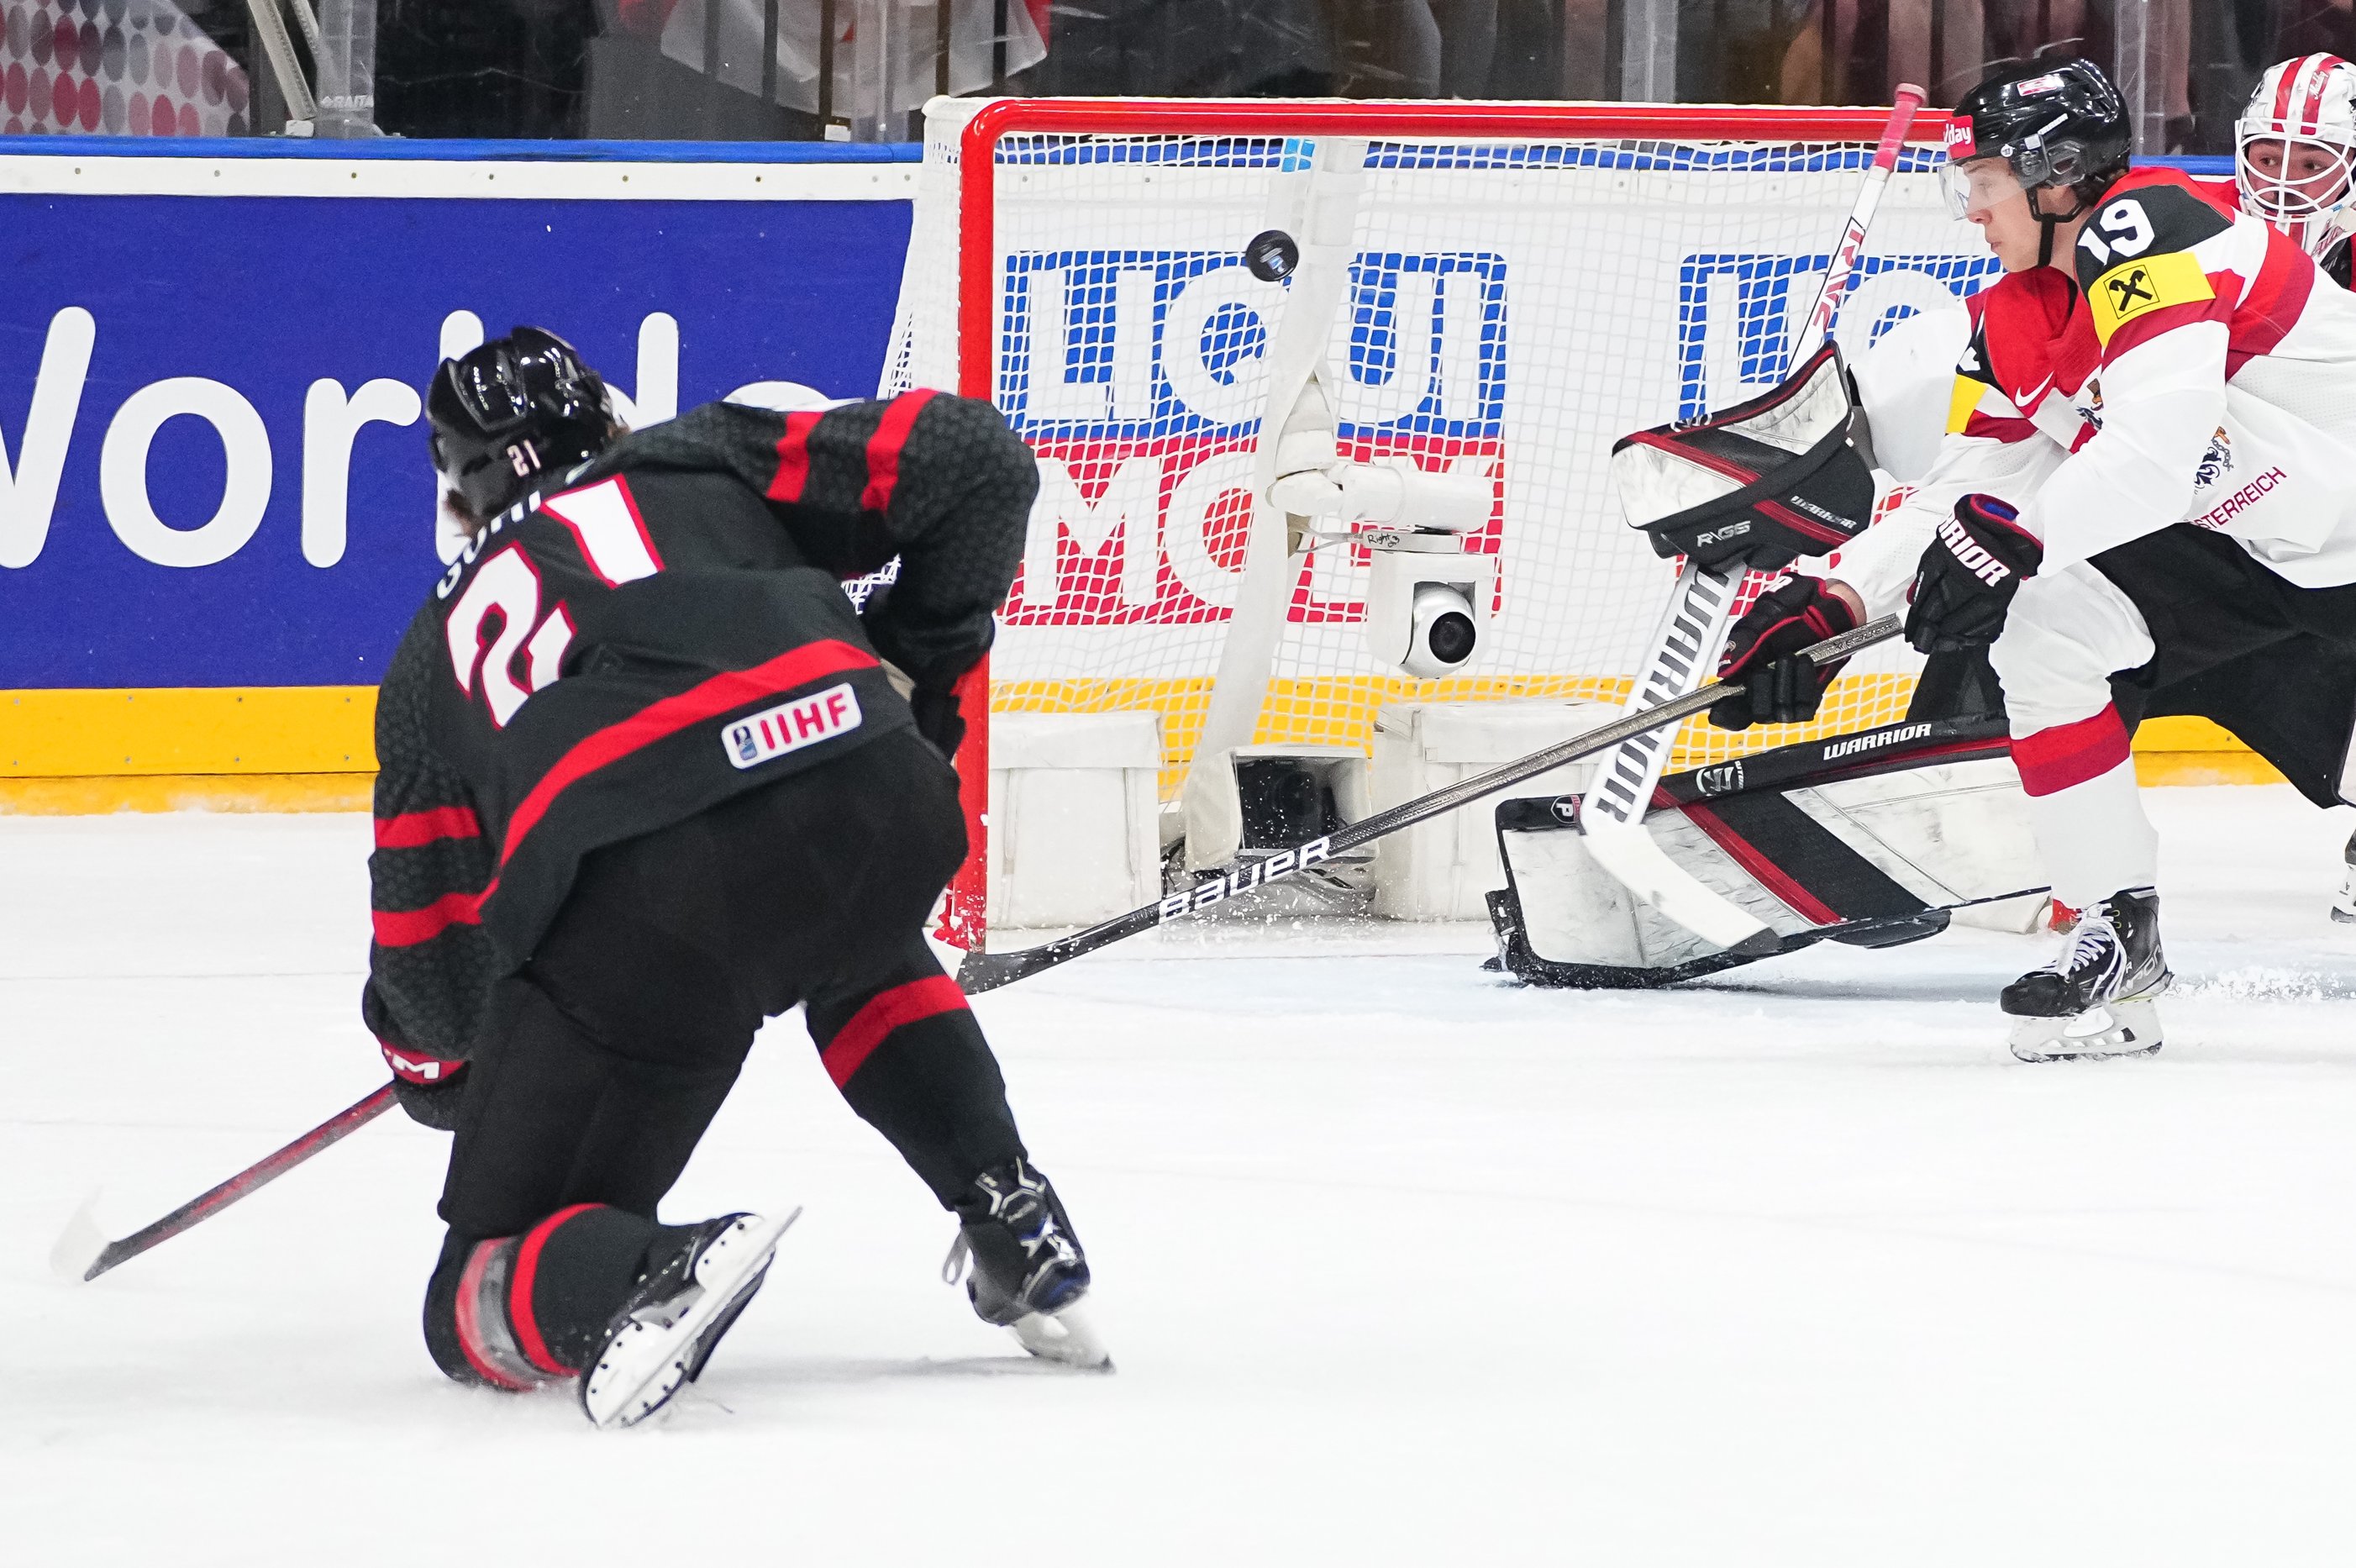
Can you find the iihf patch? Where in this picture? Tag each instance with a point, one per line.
(789, 726)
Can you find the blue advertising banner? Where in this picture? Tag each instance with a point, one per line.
(214, 464)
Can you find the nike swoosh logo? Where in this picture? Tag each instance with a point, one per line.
(2028, 402)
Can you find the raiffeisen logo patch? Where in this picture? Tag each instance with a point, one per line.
(1140, 378)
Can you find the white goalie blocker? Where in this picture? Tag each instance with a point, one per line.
(1873, 839)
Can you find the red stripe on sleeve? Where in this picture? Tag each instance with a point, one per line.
(2142, 328)
(526, 1269)
(407, 928)
(883, 448)
(2053, 760)
(1990, 427)
(872, 1025)
(2275, 299)
(793, 456)
(411, 829)
(659, 721)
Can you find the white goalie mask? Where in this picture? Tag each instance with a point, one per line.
(2293, 149)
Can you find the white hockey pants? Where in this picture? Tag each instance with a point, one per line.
(2063, 639)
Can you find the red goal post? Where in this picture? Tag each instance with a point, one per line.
(978, 242)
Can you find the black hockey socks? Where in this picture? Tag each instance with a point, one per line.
(912, 1061)
(519, 1312)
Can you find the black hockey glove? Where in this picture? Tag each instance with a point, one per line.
(938, 719)
(1968, 576)
(1769, 682)
(429, 1087)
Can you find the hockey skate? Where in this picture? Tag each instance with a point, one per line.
(1028, 1269)
(665, 1332)
(2099, 998)
(2343, 908)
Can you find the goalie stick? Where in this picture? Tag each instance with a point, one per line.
(85, 1253)
(1692, 633)
(981, 971)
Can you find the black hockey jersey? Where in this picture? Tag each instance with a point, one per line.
(662, 629)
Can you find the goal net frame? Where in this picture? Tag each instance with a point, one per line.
(980, 284)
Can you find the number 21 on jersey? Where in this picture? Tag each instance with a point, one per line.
(502, 603)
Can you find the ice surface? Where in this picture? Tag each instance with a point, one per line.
(1400, 1263)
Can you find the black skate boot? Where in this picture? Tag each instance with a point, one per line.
(2343, 908)
(1028, 1273)
(664, 1333)
(2098, 998)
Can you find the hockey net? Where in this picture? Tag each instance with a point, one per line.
(1527, 284)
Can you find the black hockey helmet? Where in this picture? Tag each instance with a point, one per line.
(2058, 122)
(517, 408)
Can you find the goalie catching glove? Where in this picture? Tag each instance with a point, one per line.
(1769, 683)
(1760, 485)
(1968, 576)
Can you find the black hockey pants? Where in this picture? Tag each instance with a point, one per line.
(2239, 645)
(2235, 643)
(610, 1052)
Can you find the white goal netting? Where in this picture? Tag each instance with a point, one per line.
(1512, 307)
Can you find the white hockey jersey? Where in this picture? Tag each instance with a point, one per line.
(2200, 370)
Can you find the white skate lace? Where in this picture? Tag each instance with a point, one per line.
(953, 1267)
(2095, 934)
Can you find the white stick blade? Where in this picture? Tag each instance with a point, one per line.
(80, 1245)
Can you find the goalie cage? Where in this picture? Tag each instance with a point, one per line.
(1519, 287)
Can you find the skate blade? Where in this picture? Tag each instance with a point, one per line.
(2343, 914)
(1067, 1338)
(650, 1360)
(2121, 1028)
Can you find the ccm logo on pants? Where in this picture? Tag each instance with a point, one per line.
(789, 726)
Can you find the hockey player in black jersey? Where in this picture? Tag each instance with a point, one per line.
(649, 779)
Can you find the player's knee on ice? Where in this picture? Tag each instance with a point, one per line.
(517, 1312)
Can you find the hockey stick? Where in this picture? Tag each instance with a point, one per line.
(981, 971)
(1692, 633)
(84, 1252)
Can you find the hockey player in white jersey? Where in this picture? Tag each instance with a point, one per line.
(2294, 149)
(2149, 482)
(2294, 166)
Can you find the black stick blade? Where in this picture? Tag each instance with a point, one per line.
(978, 971)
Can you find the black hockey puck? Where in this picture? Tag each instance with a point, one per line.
(1271, 255)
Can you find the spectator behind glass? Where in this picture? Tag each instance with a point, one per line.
(1186, 48)
(1419, 48)
(2315, 27)
(482, 68)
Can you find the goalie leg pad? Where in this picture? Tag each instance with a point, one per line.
(1869, 839)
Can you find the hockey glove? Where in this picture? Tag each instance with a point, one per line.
(1968, 576)
(429, 1087)
(1769, 683)
(938, 718)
